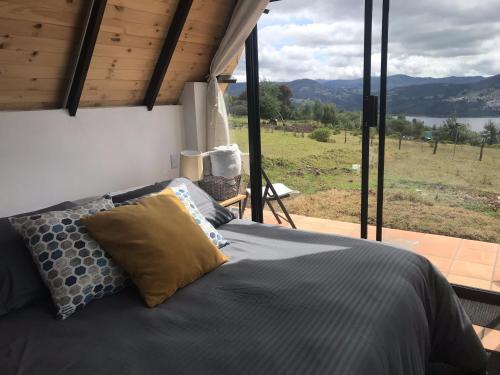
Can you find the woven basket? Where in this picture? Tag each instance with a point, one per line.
(221, 188)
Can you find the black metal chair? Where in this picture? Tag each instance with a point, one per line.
(274, 192)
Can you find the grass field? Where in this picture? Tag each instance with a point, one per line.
(457, 196)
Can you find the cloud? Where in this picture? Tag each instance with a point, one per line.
(324, 39)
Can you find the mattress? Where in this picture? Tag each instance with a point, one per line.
(288, 302)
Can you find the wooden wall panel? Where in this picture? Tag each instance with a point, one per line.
(37, 39)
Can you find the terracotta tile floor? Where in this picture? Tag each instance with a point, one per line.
(466, 262)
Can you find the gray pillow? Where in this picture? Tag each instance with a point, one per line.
(20, 282)
(71, 263)
(209, 208)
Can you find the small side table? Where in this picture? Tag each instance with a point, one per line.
(241, 199)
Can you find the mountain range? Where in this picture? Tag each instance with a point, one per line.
(474, 96)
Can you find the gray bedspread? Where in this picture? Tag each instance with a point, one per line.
(288, 302)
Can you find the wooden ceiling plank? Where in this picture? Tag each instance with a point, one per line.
(35, 58)
(33, 44)
(30, 84)
(91, 95)
(120, 74)
(112, 103)
(22, 96)
(83, 64)
(61, 13)
(36, 105)
(135, 29)
(119, 85)
(123, 51)
(167, 52)
(125, 14)
(203, 33)
(120, 39)
(106, 62)
(22, 71)
(35, 29)
(162, 7)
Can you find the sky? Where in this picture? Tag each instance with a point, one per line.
(323, 39)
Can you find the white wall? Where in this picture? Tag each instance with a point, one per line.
(194, 102)
(47, 156)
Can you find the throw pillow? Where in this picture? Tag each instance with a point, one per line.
(20, 282)
(182, 193)
(157, 243)
(71, 263)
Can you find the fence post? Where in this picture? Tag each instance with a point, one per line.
(435, 147)
(481, 152)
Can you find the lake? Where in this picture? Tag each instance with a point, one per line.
(476, 123)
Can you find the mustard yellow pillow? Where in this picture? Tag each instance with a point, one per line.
(157, 242)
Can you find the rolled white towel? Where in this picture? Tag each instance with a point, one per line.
(226, 161)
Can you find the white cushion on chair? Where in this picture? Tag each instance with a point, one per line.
(281, 189)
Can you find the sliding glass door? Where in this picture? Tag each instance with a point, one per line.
(440, 142)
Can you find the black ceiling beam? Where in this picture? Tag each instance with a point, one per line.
(167, 51)
(85, 56)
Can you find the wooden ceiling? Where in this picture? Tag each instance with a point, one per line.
(39, 46)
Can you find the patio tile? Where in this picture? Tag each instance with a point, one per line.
(496, 274)
(477, 252)
(495, 286)
(479, 330)
(436, 245)
(491, 339)
(443, 264)
(389, 233)
(479, 245)
(469, 281)
(469, 269)
(401, 242)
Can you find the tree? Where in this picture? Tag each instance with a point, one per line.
(491, 133)
(417, 129)
(317, 110)
(399, 126)
(269, 102)
(328, 116)
(285, 97)
(448, 130)
(305, 111)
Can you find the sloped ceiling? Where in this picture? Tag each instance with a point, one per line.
(39, 42)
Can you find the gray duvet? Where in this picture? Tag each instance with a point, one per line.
(288, 302)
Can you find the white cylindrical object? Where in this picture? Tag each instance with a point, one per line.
(191, 165)
(245, 162)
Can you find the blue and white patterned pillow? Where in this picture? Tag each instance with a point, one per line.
(71, 263)
(182, 193)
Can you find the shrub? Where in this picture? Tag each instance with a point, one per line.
(321, 134)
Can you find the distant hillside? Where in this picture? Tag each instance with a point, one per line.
(418, 96)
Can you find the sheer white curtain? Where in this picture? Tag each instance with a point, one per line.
(244, 18)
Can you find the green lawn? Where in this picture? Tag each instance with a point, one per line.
(457, 196)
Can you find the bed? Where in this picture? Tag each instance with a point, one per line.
(288, 302)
